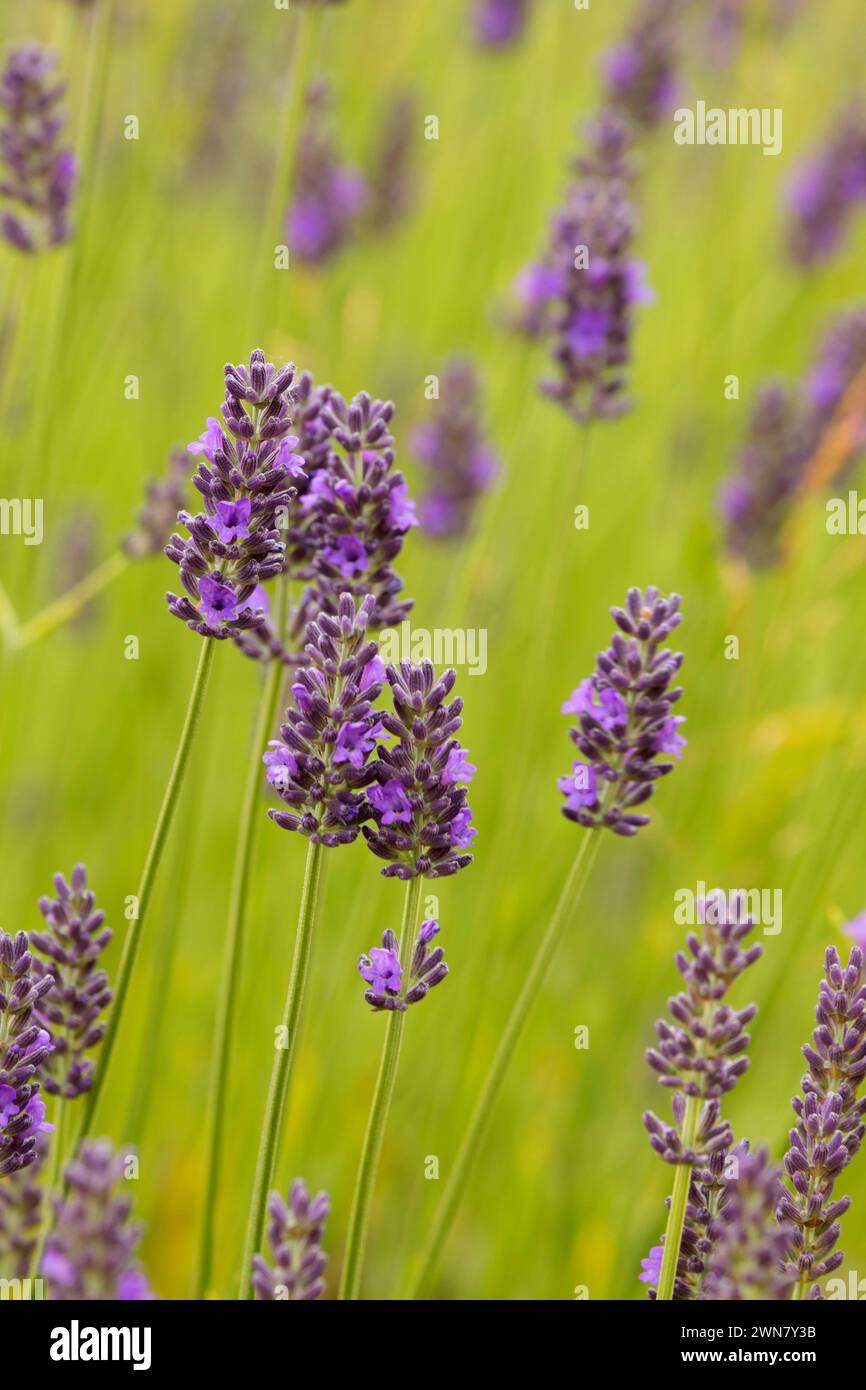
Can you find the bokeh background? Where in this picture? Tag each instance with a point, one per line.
(171, 235)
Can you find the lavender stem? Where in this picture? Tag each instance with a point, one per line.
(224, 1026)
(677, 1211)
(282, 1068)
(148, 878)
(353, 1262)
(470, 1144)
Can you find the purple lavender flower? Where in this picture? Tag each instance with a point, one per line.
(353, 513)
(70, 1011)
(391, 174)
(89, 1254)
(830, 1127)
(39, 174)
(235, 545)
(382, 971)
(747, 1255)
(328, 197)
(499, 23)
(21, 1198)
(24, 1049)
(651, 1265)
(323, 764)
(581, 295)
(164, 498)
(295, 1235)
(640, 72)
(856, 929)
(827, 189)
(452, 447)
(422, 819)
(625, 721)
(841, 358)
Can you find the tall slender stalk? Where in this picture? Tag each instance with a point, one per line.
(63, 609)
(367, 1168)
(233, 957)
(470, 1144)
(148, 877)
(677, 1209)
(283, 1064)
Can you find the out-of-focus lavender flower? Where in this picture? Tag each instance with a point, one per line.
(827, 189)
(830, 1127)
(295, 1234)
(422, 819)
(322, 764)
(89, 1254)
(651, 1265)
(582, 293)
(641, 71)
(70, 1011)
(724, 29)
(24, 1049)
(841, 357)
(383, 973)
(747, 1257)
(353, 511)
(163, 498)
(452, 447)
(247, 475)
(328, 196)
(21, 1198)
(38, 173)
(856, 929)
(391, 175)
(625, 720)
(499, 23)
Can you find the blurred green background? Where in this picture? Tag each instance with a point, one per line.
(172, 232)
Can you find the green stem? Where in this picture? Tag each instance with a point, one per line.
(378, 1118)
(52, 1186)
(70, 604)
(283, 1063)
(148, 878)
(225, 1019)
(471, 1142)
(677, 1209)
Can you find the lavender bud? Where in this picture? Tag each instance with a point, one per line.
(295, 1235)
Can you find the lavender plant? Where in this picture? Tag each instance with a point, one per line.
(827, 189)
(24, 1050)
(328, 196)
(452, 447)
(747, 1260)
(638, 669)
(295, 1234)
(21, 1203)
(90, 1252)
(641, 71)
(38, 173)
(383, 972)
(580, 296)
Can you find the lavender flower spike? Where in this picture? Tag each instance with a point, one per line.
(422, 818)
(499, 23)
(38, 175)
(163, 499)
(640, 72)
(328, 196)
(827, 189)
(21, 1199)
(321, 764)
(383, 972)
(746, 1263)
(247, 482)
(295, 1234)
(72, 945)
(460, 463)
(830, 1127)
(625, 720)
(89, 1255)
(24, 1048)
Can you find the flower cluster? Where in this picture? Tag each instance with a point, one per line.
(625, 718)
(383, 973)
(829, 1128)
(499, 23)
(827, 189)
(163, 499)
(418, 798)
(328, 196)
(246, 474)
(582, 293)
(452, 447)
(70, 1011)
(24, 1049)
(89, 1254)
(746, 1261)
(321, 763)
(353, 508)
(640, 72)
(295, 1235)
(38, 176)
(21, 1198)
(391, 181)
